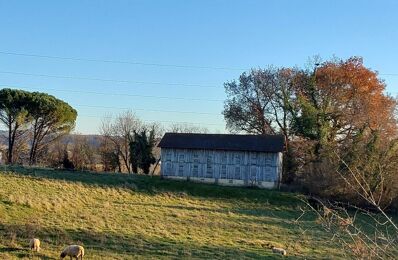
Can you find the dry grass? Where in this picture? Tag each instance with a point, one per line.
(127, 217)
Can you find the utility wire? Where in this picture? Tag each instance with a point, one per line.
(145, 109)
(150, 121)
(156, 121)
(120, 62)
(137, 63)
(114, 94)
(107, 80)
(151, 110)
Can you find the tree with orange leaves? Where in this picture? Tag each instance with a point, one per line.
(343, 99)
(338, 108)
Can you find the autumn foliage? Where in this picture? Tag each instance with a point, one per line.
(354, 97)
(336, 112)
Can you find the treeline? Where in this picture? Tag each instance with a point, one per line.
(129, 145)
(38, 128)
(33, 121)
(339, 125)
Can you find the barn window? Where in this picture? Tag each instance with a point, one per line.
(224, 157)
(237, 158)
(209, 171)
(168, 155)
(196, 157)
(253, 173)
(168, 168)
(253, 159)
(181, 170)
(223, 174)
(237, 173)
(195, 170)
(268, 174)
(209, 166)
(268, 160)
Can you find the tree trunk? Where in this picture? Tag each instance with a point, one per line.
(32, 149)
(10, 143)
(11, 140)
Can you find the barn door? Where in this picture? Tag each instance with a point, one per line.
(253, 178)
(209, 165)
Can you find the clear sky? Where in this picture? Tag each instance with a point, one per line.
(211, 42)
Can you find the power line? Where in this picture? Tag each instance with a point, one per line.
(119, 62)
(155, 121)
(136, 63)
(107, 80)
(152, 110)
(155, 110)
(114, 94)
(151, 121)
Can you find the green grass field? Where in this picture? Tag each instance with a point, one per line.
(116, 216)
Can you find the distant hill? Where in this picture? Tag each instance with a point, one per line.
(94, 140)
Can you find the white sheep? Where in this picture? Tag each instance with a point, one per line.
(73, 251)
(278, 250)
(34, 244)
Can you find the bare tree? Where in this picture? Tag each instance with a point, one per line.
(260, 102)
(364, 232)
(119, 133)
(54, 153)
(82, 152)
(186, 128)
(109, 156)
(158, 129)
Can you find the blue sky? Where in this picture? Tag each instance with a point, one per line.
(236, 35)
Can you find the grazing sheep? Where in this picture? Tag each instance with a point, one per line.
(73, 251)
(34, 244)
(277, 250)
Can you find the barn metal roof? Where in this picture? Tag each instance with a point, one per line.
(230, 142)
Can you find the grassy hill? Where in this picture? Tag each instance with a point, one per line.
(138, 217)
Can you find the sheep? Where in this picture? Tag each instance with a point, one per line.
(34, 244)
(278, 250)
(73, 251)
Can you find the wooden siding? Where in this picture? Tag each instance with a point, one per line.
(250, 168)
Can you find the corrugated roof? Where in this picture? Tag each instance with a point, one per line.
(231, 142)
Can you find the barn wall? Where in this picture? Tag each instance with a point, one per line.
(222, 167)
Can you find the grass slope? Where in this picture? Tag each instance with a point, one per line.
(138, 217)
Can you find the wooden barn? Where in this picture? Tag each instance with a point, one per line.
(226, 159)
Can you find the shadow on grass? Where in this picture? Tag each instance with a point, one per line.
(10, 249)
(102, 245)
(260, 213)
(155, 185)
(24, 253)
